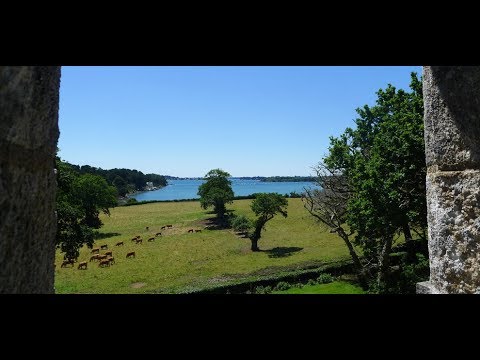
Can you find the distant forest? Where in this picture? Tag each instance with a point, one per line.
(288, 179)
(125, 180)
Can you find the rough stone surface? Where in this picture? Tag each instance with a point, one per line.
(453, 200)
(427, 287)
(452, 117)
(28, 138)
(452, 144)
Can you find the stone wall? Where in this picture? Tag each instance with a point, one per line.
(452, 139)
(29, 99)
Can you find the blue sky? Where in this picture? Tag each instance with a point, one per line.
(185, 121)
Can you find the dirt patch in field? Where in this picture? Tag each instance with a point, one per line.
(138, 285)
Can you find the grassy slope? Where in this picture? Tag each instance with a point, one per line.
(179, 259)
(337, 287)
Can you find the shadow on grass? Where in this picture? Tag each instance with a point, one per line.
(282, 251)
(99, 235)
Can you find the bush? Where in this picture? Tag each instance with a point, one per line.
(132, 201)
(263, 290)
(241, 223)
(282, 286)
(311, 282)
(325, 278)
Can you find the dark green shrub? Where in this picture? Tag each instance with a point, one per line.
(282, 286)
(241, 223)
(132, 201)
(311, 282)
(325, 278)
(263, 290)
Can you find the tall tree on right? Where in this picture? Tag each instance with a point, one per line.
(382, 164)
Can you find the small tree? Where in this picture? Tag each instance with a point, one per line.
(266, 206)
(216, 191)
(241, 224)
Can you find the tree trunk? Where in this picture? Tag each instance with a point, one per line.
(254, 245)
(356, 261)
(406, 232)
(384, 263)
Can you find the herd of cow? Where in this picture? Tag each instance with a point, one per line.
(107, 258)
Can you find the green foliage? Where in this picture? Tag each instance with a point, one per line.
(263, 290)
(132, 201)
(79, 200)
(241, 223)
(216, 191)
(282, 286)
(311, 282)
(383, 160)
(337, 287)
(288, 179)
(325, 278)
(266, 206)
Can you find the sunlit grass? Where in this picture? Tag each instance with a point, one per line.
(179, 259)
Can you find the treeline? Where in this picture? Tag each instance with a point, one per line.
(289, 179)
(124, 180)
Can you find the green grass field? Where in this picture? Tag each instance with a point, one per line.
(179, 260)
(336, 287)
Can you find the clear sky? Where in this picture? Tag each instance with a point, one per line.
(185, 121)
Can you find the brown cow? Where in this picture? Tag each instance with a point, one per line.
(169, 226)
(119, 243)
(163, 227)
(111, 259)
(197, 230)
(151, 239)
(104, 263)
(95, 250)
(101, 257)
(66, 262)
(94, 257)
(108, 253)
(131, 254)
(158, 234)
(190, 230)
(104, 247)
(134, 239)
(82, 265)
(139, 241)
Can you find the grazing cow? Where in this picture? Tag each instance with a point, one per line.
(197, 230)
(139, 241)
(104, 247)
(104, 263)
(108, 253)
(101, 257)
(66, 262)
(158, 234)
(95, 250)
(163, 227)
(119, 243)
(151, 239)
(82, 265)
(169, 226)
(111, 259)
(190, 230)
(94, 257)
(131, 254)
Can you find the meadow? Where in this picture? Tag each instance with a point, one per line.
(178, 260)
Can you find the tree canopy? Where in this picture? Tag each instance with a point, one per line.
(266, 206)
(382, 166)
(80, 198)
(216, 191)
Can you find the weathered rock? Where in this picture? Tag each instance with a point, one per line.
(452, 139)
(452, 117)
(28, 139)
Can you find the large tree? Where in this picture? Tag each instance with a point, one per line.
(79, 199)
(382, 162)
(217, 192)
(266, 206)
